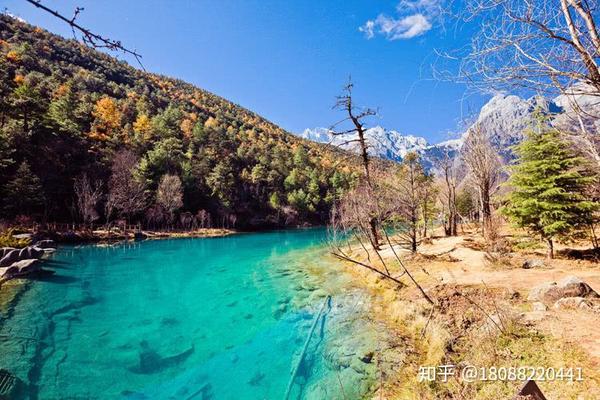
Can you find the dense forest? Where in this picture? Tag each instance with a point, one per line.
(85, 137)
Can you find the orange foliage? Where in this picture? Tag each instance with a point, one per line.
(62, 90)
(13, 56)
(19, 79)
(186, 127)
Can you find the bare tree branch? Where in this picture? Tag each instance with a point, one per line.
(89, 38)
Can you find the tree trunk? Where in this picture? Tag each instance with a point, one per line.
(550, 253)
(374, 234)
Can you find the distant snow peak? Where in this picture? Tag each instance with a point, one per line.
(383, 143)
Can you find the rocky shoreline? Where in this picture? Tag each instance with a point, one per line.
(15, 263)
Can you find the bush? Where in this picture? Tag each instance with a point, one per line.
(8, 239)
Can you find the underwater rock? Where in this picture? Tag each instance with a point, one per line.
(151, 362)
(279, 311)
(256, 379)
(367, 358)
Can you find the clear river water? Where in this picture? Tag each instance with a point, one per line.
(214, 318)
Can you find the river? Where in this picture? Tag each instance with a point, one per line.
(215, 318)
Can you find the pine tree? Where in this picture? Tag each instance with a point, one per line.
(23, 194)
(548, 184)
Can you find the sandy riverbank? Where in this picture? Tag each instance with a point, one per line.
(472, 296)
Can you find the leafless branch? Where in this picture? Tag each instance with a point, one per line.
(88, 37)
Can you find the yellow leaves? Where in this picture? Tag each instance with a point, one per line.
(13, 56)
(142, 126)
(38, 30)
(211, 123)
(19, 79)
(107, 119)
(186, 127)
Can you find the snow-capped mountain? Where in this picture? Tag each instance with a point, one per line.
(383, 143)
(504, 118)
(388, 144)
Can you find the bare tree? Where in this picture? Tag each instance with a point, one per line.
(484, 165)
(537, 46)
(448, 186)
(411, 184)
(127, 193)
(170, 194)
(356, 133)
(349, 227)
(543, 45)
(87, 196)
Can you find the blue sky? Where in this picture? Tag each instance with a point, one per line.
(287, 60)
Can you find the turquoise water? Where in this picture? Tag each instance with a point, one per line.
(219, 318)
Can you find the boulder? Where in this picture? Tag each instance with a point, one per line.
(539, 306)
(26, 266)
(534, 263)
(26, 253)
(571, 303)
(10, 258)
(45, 244)
(5, 250)
(30, 252)
(570, 286)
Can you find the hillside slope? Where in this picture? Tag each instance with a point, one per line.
(66, 109)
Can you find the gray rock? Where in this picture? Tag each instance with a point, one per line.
(10, 258)
(534, 263)
(539, 306)
(45, 244)
(5, 250)
(30, 252)
(570, 286)
(570, 303)
(25, 253)
(26, 266)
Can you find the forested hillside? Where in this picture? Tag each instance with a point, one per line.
(86, 137)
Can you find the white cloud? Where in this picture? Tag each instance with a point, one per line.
(368, 28)
(414, 19)
(394, 29)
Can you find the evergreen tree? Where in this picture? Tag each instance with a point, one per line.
(548, 183)
(24, 193)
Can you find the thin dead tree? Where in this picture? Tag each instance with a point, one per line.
(356, 133)
(88, 37)
(87, 195)
(127, 193)
(169, 195)
(447, 169)
(350, 231)
(410, 187)
(483, 163)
